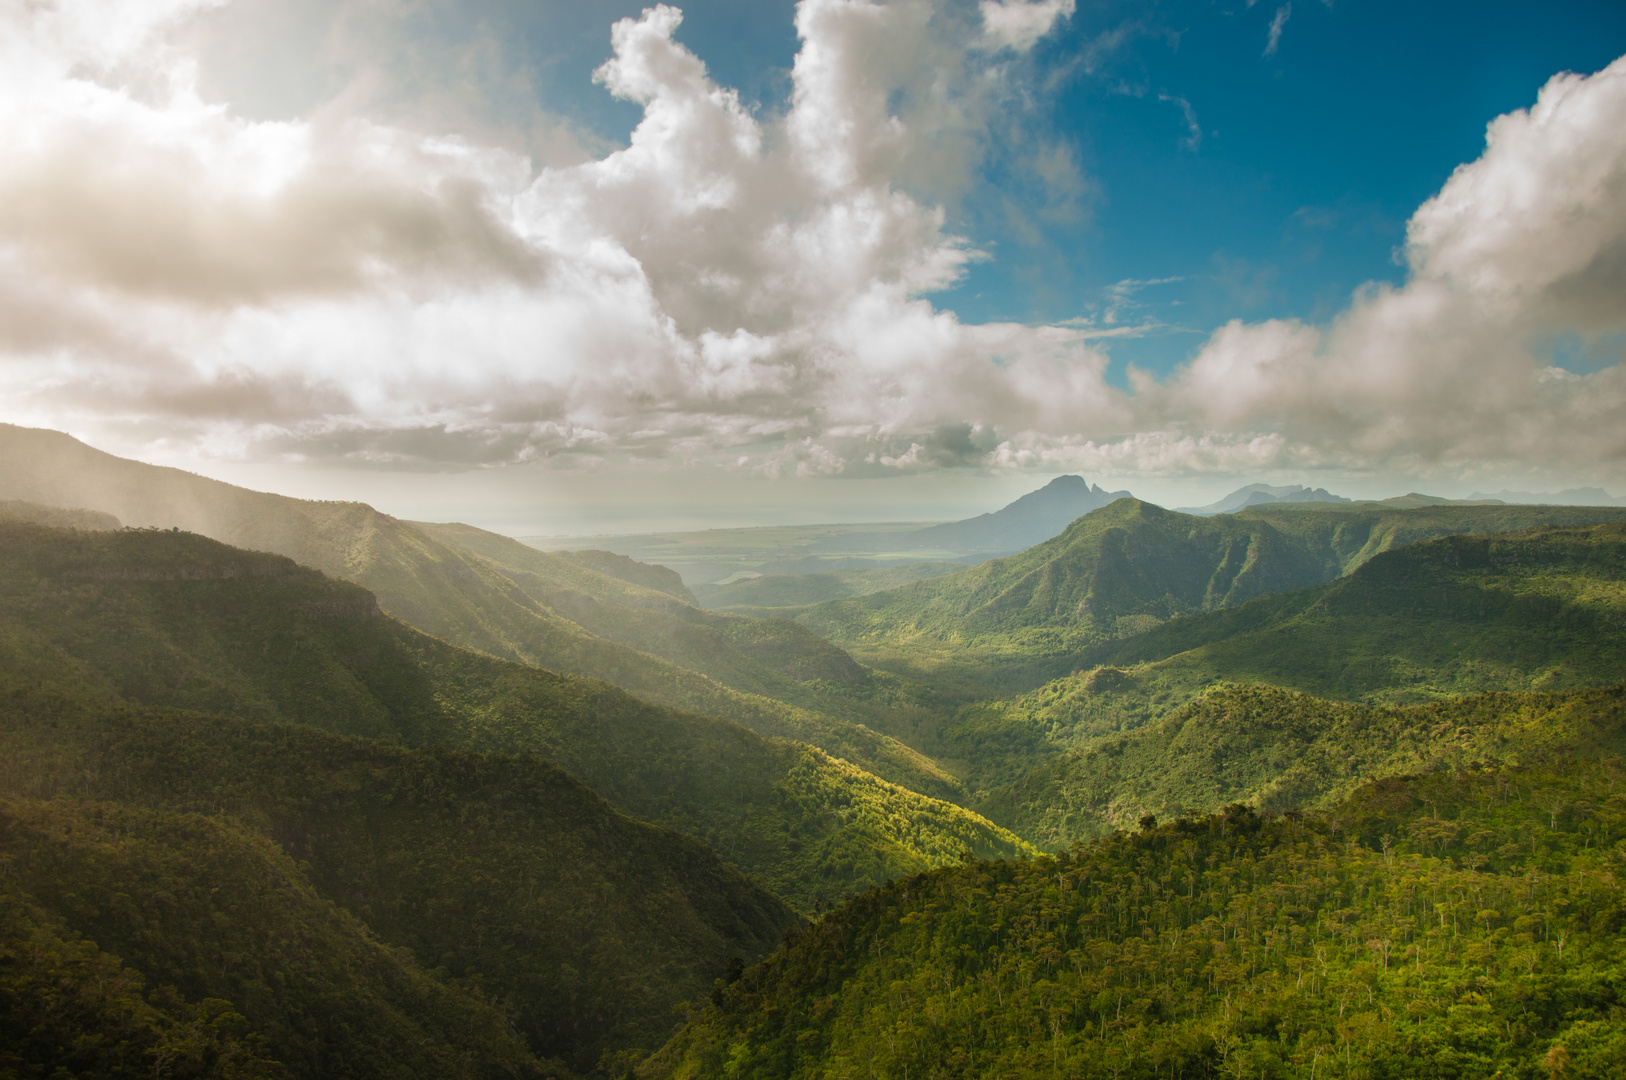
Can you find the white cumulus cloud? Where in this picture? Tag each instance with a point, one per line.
(729, 289)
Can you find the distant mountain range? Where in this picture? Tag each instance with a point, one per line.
(1032, 519)
(1260, 495)
(1567, 497)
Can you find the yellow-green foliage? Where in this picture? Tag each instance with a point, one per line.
(1461, 924)
(1277, 749)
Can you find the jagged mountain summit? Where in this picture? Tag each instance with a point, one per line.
(1034, 518)
(1261, 495)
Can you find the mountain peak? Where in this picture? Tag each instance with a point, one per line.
(1031, 519)
(1262, 494)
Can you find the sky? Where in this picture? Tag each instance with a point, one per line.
(571, 268)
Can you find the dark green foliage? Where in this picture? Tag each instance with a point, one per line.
(584, 926)
(1277, 749)
(1459, 924)
(209, 914)
(174, 619)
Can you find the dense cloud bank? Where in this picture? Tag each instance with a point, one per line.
(750, 291)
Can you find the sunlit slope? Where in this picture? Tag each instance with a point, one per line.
(1455, 924)
(1126, 569)
(833, 702)
(1345, 535)
(152, 943)
(1276, 749)
(175, 619)
(1540, 609)
(1114, 571)
(446, 590)
(500, 873)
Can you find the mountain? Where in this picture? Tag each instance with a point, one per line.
(1125, 570)
(1567, 497)
(444, 586)
(1458, 923)
(1539, 610)
(1032, 519)
(1261, 495)
(176, 620)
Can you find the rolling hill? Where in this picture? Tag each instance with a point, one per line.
(1543, 609)
(173, 619)
(444, 587)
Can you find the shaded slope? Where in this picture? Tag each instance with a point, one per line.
(1461, 925)
(155, 943)
(178, 620)
(441, 588)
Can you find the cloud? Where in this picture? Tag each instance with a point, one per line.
(731, 286)
(1019, 24)
(1277, 24)
(1194, 130)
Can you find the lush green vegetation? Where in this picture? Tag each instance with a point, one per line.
(140, 942)
(772, 675)
(1458, 924)
(1543, 609)
(174, 619)
(501, 874)
(1122, 571)
(1275, 749)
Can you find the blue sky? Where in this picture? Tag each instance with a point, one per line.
(917, 247)
(1293, 190)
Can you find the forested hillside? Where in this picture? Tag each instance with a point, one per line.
(1117, 573)
(444, 587)
(1460, 923)
(507, 883)
(174, 619)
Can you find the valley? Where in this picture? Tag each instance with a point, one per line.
(573, 813)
